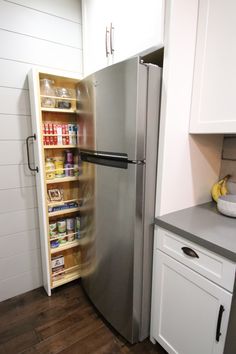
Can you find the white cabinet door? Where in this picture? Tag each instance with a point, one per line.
(96, 17)
(186, 308)
(213, 99)
(138, 25)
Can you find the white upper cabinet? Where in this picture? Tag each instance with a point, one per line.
(213, 100)
(115, 30)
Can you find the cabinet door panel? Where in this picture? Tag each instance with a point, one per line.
(95, 20)
(185, 309)
(137, 26)
(213, 100)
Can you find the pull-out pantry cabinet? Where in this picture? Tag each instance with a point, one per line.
(192, 296)
(64, 184)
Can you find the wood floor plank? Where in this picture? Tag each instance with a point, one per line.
(61, 323)
(55, 344)
(92, 343)
(33, 320)
(2, 349)
(21, 342)
(65, 323)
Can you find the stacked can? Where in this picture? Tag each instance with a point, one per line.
(77, 227)
(60, 134)
(69, 160)
(70, 226)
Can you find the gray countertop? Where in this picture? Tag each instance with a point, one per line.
(204, 225)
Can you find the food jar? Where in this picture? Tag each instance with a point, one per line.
(47, 90)
(59, 167)
(50, 169)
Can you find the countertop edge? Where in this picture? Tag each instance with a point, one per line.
(198, 240)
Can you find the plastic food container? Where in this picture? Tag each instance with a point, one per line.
(47, 89)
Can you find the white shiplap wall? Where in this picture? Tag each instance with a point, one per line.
(45, 34)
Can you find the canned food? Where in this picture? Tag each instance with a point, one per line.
(70, 224)
(69, 170)
(77, 227)
(61, 225)
(59, 167)
(62, 237)
(61, 234)
(69, 156)
(76, 170)
(50, 169)
(71, 237)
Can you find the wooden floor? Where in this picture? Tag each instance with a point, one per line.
(64, 323)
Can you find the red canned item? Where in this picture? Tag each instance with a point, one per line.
(44, 140)
(47, 140)
(50, 128)
(46, 128)
(63, 129)
(51, 140)
(54, 128)
(55, 140)
(67, 140)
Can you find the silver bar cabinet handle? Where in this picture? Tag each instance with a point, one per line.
(106, 42)
(111, 38)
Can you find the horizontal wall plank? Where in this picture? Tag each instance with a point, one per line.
(18, 221)
(21, 283)
(13, 152)
(14, 101)
(14, 73)
(14, 127)
(20, 263)
(16, 176)
(39, 52)
(17, 199)
(21, 242)
(69, 9)
(40, 25)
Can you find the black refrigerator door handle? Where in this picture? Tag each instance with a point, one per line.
(36, 169)
(105, 160)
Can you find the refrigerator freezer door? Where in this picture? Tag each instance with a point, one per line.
(116, 97)
(115, 247)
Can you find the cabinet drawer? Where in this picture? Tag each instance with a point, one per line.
(214, 267)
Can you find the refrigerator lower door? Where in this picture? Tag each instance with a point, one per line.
(113, 276)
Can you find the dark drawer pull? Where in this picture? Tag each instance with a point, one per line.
(189, 252)
(218, 333)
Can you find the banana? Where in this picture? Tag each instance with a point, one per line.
(224, 189)
(219, 188)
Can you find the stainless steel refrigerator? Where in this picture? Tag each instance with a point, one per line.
(119, 109)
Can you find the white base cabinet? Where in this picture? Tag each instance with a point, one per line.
(190, 314)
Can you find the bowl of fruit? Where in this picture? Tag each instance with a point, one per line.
(226, 202)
